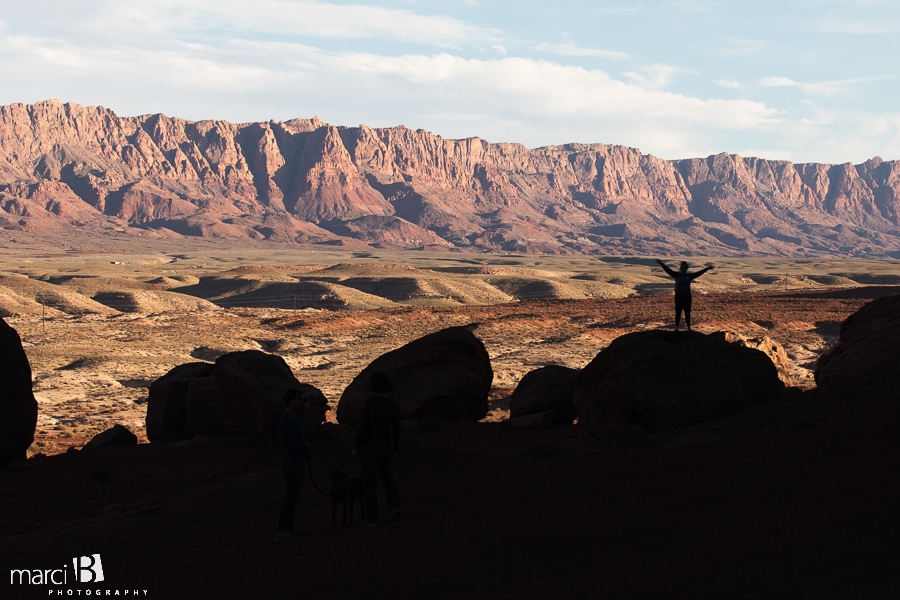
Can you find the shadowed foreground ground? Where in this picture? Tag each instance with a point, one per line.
(795, 499)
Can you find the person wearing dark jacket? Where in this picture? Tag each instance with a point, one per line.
(377, 437)
(683, 281)
(293, 461)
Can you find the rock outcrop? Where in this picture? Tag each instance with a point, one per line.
(117, 435)
(18, 408)
(240, 394)
(541, 420)
(167, 401)
(865, 359)
(64, 166)
(251, 385)
(446, 374)
(664, 380)
(544, 389)
(767, 346)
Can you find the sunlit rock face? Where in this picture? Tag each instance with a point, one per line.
(64, 166)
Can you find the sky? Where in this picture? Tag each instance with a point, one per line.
(804, 80)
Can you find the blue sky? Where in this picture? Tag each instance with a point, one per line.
(806, 80)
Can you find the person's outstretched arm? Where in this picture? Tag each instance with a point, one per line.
(701, 272)
(665, 268)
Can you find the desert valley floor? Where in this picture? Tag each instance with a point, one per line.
(789, 500)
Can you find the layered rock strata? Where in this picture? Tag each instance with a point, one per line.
(64, 165)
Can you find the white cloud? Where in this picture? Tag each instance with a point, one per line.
(823, 88)
(201, 18)
(546, 102)
(351, 64)
(571, 49)
(654, 77)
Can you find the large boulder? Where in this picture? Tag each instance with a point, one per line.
(204, 413)
(241, 393)
(541, 420)
(18, 408)
(866, 357)
(547, 388)
(767, 346)
(117, 435)
(664, 380)
(446, 374)
(166, 403)
(251, 385)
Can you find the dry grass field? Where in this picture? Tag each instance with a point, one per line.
(101, 319)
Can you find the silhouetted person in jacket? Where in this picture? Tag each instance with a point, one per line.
(683, 281)
(377, 437)
(293, 461)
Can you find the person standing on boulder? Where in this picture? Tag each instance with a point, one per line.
(683, 281)
(377, 437)
(293, 461)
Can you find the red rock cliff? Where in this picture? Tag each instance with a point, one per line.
(64, 165)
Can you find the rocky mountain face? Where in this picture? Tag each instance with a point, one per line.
(65, 166)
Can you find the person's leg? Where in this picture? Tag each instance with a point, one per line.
(293, 483)
(387, 478)
(687, 311)
(370, 493)
(678, 307)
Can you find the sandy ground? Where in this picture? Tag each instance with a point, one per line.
(97, 333)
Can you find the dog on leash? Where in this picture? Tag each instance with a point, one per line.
(344, 491)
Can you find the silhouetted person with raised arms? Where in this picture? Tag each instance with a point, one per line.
(683, 281)
(293, 461)
(377, 437)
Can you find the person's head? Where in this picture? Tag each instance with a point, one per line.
(684, 267)
(293, 400)
(380, 382)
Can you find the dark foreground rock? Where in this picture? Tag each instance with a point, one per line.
(446, 374)
(547, 388)
(251, 385)
(240, 394)
(664, 380)
(117, 435)
(166, 402)
(767, 346)
(541, 420)
(866, 357)
(18, 408)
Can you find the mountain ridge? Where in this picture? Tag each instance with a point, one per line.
(66, 166)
